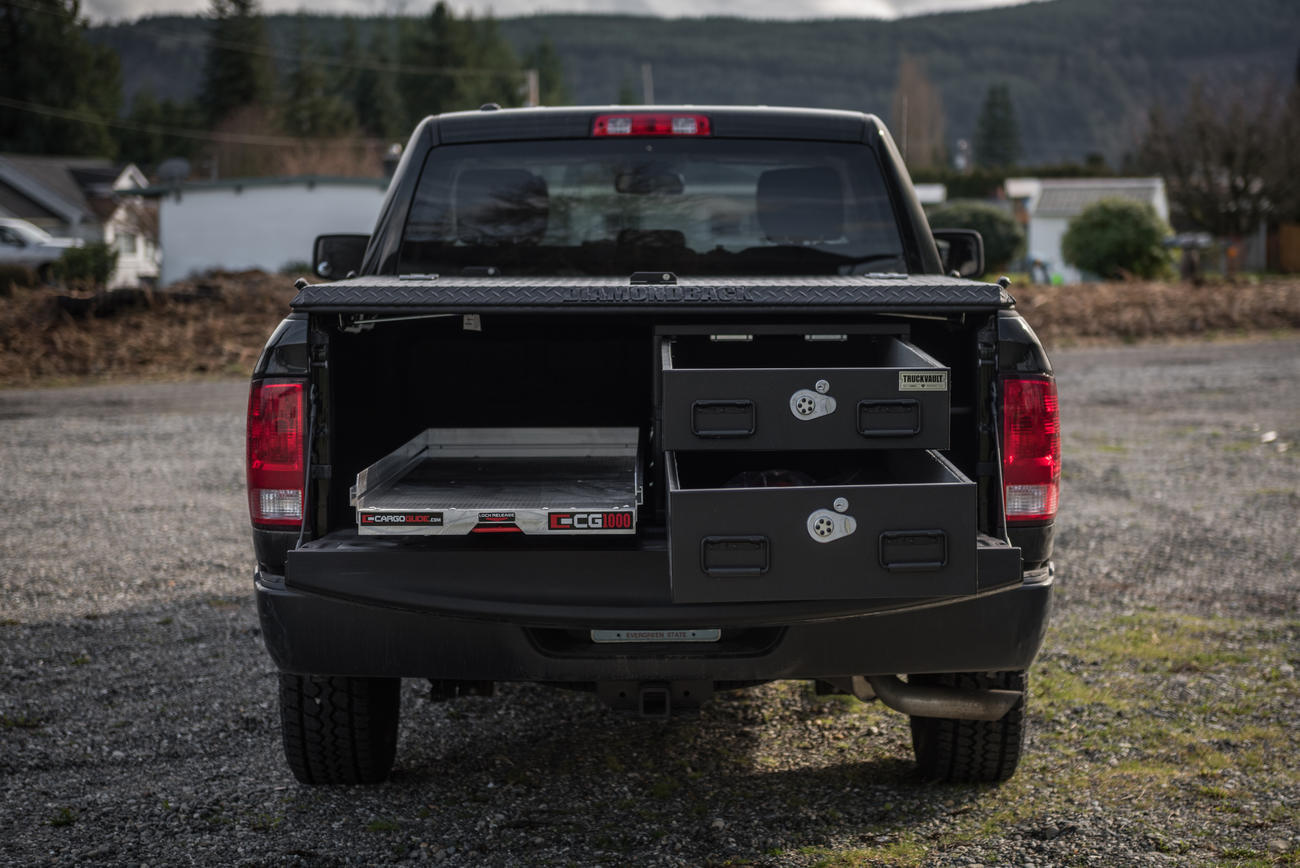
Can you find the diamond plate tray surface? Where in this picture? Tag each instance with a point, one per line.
(512, 483)
(376, 294)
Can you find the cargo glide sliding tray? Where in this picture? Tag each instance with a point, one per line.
(388, 294)
(458, 481)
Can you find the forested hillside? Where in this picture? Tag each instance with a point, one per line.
(1082, 74)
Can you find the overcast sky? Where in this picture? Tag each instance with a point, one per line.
(118, 10)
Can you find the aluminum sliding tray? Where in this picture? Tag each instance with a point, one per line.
(459, 481)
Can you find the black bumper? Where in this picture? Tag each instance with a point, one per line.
(308, 631)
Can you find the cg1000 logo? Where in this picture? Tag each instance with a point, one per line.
(591, 521)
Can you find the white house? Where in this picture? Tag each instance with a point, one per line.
(1051, 203)
(88, 198)
(931, 194)
(262, 223)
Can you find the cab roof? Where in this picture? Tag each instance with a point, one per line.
(575, 122)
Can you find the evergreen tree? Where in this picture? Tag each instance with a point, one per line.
(237, 70)
(430, 43)
(144, 140)
(454, 64)
(627, 92)
(550, 72)
(997, 135)
(493, 70)
(312, 108)
(375, 99)
(46, 60)
(345, 75)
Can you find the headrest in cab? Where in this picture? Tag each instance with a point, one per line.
(801, 206)
(501, 206)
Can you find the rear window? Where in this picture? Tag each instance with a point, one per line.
(698, 206)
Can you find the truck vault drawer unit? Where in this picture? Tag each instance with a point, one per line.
(653, 403)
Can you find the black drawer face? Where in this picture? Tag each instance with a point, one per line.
(752, 526)
(776, 396)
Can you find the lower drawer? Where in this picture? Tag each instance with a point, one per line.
(819, 526)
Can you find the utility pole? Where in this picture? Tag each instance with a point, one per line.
(534, 88)
(647, 84)
(904, 130)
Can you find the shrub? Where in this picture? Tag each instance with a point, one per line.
(91, 264)
(15, 276)
(1117, 238)
(1004, 240)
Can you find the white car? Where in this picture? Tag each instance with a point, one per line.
(23, 244)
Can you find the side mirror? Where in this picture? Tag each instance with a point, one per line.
(961, 250)
(334, 257)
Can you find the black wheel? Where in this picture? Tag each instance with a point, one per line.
(45, 274)
(971, 751)
(339, 730)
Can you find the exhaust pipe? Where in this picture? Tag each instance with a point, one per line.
(925, 700)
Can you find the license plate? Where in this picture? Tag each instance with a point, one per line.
(710, 634)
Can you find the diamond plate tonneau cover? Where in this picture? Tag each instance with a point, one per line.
(904, 293)
(457, 481)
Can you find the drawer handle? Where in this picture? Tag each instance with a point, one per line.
(728, 556)
(913, 551)
(723, 418)
(893, 418)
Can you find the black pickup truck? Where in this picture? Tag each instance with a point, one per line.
(653, 402)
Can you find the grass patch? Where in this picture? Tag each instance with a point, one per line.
(664, 787)
(63, 817)
(383, 826)
(266, 822)
(902, 852)
(1175, 643)
(20, 721)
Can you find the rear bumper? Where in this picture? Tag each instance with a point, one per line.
(308, 631)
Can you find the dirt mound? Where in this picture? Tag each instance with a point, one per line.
(1090, 312)
(217, 325)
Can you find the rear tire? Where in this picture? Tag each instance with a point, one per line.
(339, 730)
(971, 751)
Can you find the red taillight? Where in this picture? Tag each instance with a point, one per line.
(275, 454)
(1031, 450)
(651, 124)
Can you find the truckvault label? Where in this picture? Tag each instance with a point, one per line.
(403, 519)
(590, 521)
(922, 381)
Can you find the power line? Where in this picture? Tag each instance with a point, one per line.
(182, 132)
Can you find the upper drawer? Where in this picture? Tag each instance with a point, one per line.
(784, 392)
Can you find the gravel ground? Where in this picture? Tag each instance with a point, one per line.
(139, 725)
